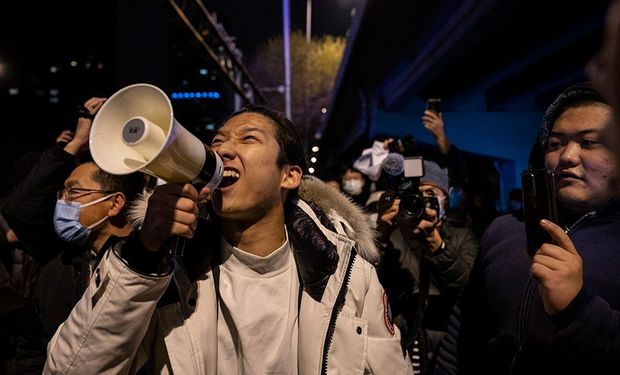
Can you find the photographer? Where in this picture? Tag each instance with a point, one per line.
(425, 263)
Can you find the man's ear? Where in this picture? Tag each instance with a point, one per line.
(292, 177)
(118, 203)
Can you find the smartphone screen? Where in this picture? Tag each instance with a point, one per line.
(539, 202)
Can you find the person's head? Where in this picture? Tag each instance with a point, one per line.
(96, 200)
(263, 163)
(353, 181)
(435, 183)
(571, 138)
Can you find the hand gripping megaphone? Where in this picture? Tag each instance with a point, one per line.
(135, 130)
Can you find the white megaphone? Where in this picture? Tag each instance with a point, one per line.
(135, 130)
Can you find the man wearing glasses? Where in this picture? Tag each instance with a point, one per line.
(66, 213)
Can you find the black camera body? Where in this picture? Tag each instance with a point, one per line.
(412, 208)
(405, 186)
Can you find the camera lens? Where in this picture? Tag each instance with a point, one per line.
(411, 209)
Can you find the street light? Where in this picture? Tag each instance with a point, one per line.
(286, 21)
(308, 20)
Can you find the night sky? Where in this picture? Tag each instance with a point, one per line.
(254, 21)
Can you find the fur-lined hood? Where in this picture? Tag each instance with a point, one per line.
(312, 190)
(340, 208)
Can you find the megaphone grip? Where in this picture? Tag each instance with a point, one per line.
(177, 246)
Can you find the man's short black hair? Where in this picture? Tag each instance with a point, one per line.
(287, 136)
(131, 185)
(575, 95)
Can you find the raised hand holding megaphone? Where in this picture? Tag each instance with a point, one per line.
(135, 130)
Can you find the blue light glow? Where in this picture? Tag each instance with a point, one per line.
(196, 95)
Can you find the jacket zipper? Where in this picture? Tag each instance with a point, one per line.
(340, 300)
(580, 221)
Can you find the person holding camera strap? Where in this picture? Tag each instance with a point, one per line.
(425, 263)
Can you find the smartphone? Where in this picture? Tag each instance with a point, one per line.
(433, 104)
(539, 202)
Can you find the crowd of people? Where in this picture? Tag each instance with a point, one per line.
(373, 270)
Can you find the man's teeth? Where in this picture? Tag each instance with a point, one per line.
(230, 173)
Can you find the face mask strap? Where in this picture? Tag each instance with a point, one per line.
(96, 201)
(97, 223)
(93, 203)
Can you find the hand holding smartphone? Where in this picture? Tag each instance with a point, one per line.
(539, 202)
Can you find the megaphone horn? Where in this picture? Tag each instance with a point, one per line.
(135, 130)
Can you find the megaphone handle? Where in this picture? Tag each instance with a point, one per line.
(178, 247)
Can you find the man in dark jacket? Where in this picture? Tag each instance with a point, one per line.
(425, 266)
(65, 212)
(557, 312)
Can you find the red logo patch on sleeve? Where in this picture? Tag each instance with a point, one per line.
(387, 314)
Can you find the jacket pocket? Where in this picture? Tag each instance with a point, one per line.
(347, 353)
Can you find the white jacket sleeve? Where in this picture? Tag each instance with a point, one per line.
(385, 355)
(106, 327)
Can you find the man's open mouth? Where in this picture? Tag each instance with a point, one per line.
(229, 177)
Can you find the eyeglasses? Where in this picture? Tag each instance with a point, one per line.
(69, 194)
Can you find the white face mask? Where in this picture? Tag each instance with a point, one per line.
(353, 187)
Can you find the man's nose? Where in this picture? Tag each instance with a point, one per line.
(226, 150)
(571, 154)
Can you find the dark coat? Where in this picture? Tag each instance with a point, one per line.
(448, 270)
(64, 268)
(502, 320)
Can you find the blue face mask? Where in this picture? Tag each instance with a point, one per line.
(67, 221)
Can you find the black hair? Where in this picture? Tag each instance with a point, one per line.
(573, 96)
(286, 134)
(131, 185)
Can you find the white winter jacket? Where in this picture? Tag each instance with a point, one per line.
(166, 324)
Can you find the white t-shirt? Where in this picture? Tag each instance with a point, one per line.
(258, 312)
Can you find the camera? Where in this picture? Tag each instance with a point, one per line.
(412, 208)
(405, 186)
